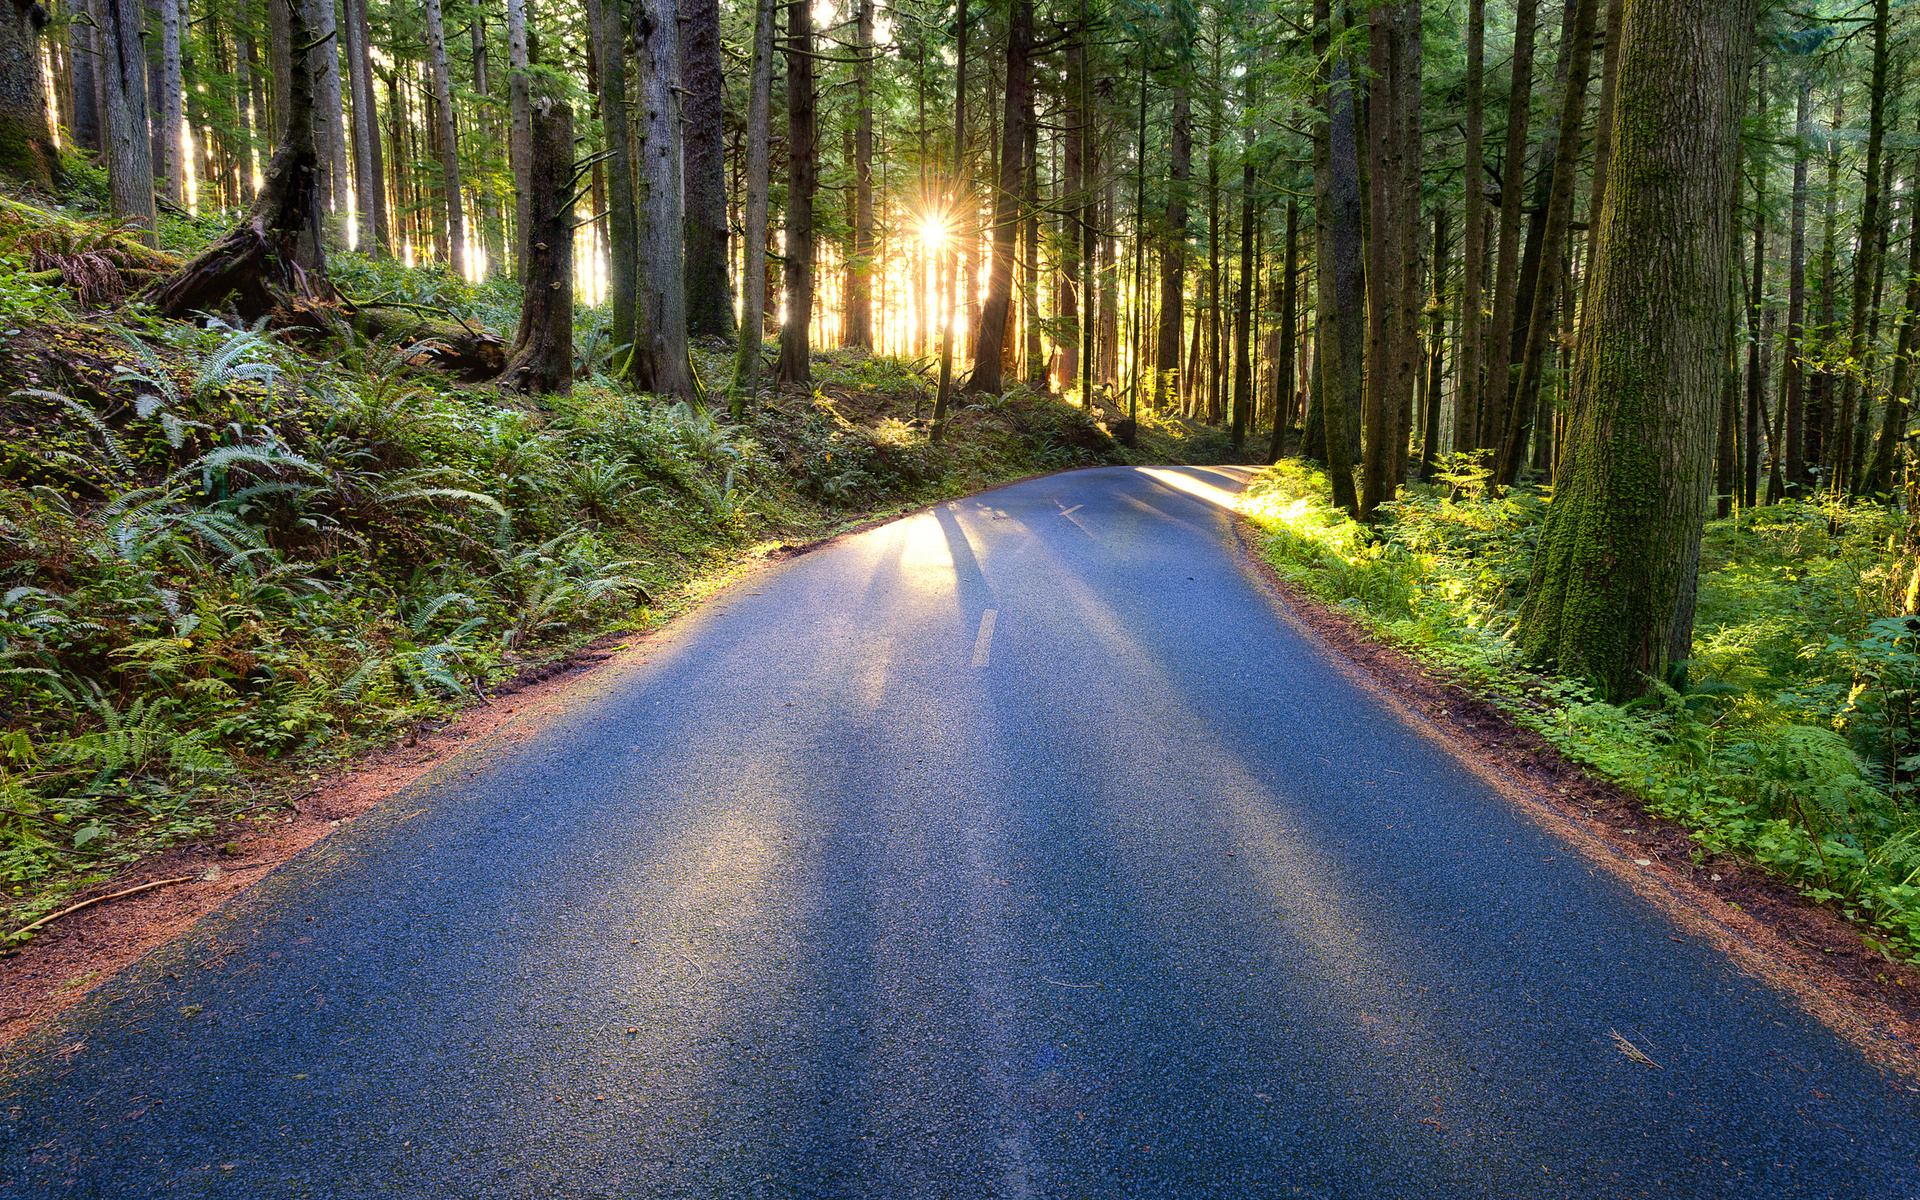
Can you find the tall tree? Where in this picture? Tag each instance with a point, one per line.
(1513, 178)
(129, 137)
(746, 369)
(608, 19)
(1611, 598)
(542, 356)
(449, 149)
(172, 162)
(860, 267)
(1865, 260)
(661, 363)
(1173, 252)
(803, 177)
(26, 142)
(708, 288)
(989, 339)
(369, 174)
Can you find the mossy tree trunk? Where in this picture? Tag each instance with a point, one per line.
(1611, 599)
(542, 356)
(26, 144)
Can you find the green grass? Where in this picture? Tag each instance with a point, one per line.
(1794, 741)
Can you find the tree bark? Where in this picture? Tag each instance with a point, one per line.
(1793, 375)
(1283, 391)
(330, 130)
(746, 367)
(1893, 422)
(803, 175)
(26, 141)
(1340, 359)
(660, 321)
(1243, 305)
(1173, 251)
(1543, 316)
(1513, 180)
(449, 149)
(1865, 272)
(608, 20)
(709, 289)
(172, 165)
(1611, 597)
(541, 360)
(520, 133)
(370, 176)
(83, 51)
(130, 144)
(859, 302)
(991, 333)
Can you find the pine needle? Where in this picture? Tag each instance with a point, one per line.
(1633, 1052)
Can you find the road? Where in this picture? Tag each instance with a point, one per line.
(1017, 848)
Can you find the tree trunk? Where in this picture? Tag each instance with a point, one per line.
(859, 302)
(803, 176)
(950, 257)
(130, 145)
(709, 289)
(274, 259)
(369, 175)
(1864, 265)
(493, 234)
(1513, 178)
(1793, 374)
(449, 149)
(1468, 390)
(1893, 423)
(609, 24)
(27, 150)
(1544, 313)
(1173, 252)
(1243, 305)
(1611, 597)
(1342, 300)
(541, 360)
(520, 134)
(330, 130)
(1289, 316)
(746, 366)
(83, 51)
(172, 164)
(1436, 349)
(1036, 373)
(1756, 379)
(660, 321)
(990, 336)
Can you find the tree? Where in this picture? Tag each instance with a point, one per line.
(608, 22)
(660, 320)
(709, 291)
(26, 143)
(449, 149)
(803, 174)
(542, 356)
(746, 369)
(1611, 597)
(129, 139)
(989, 339)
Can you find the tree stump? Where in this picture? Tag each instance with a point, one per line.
(542, 356)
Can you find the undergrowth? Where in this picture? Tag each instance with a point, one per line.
(1794, 742)
(222, 553)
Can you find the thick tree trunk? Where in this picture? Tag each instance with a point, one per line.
(1341, 358)
(171, 164)
(660, 321)
(991, 332)
(1036, 373)
(542, 356)
(1436, 357)
(1243, 305)
(859, 303)
(1473, 266)
(330, 128)
(1756, 378)
(449, 149)
(1611, 598)
(26, 141)
(83, 51)
(493, 234)
(746, 366)
(273, 260)
(130, 143)
(803, 175)
(708, 288)
(1893, 423)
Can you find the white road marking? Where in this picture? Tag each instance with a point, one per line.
(984, 641)
(1076, 508)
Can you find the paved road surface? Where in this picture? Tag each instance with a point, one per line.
(1013, 849)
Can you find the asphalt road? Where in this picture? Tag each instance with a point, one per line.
(1017, 848)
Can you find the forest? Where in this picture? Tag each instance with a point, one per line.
(1580, 337)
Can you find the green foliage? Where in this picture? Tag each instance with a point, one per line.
(1791, 737)
(256, 554)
